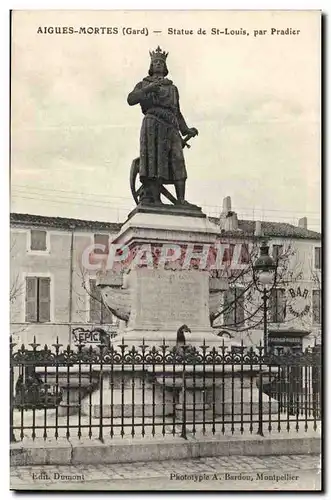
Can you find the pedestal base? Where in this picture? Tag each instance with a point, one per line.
(169, 337)
(125, 395)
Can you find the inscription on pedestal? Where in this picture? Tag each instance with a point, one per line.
(166, 299)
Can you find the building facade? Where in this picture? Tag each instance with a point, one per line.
(295, 294)
(53, 297)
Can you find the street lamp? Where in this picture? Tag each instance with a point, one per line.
(264, 274)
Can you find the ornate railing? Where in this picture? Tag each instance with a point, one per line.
(120, 390)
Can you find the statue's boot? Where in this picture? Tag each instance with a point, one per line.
(151, 192)
(155, 188)
(180, 191)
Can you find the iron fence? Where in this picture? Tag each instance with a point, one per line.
(120, 390)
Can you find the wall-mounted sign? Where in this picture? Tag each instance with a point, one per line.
(299, 302)
(285, 340)
(285, 344)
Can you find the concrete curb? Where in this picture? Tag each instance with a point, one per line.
(73, 452)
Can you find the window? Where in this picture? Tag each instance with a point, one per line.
(228, 254)
(38, 240)
(277, 306)
(317, 306)
(318, 258)
(37, 299)
(101, 239)
(234, 307)
(277, 251)
(244, 255)
(99, 313)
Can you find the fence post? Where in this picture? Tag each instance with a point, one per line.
(11, 408)
(260, 428)
(183, 434)
(11, 393)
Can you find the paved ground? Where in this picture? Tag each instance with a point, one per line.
(290, 472)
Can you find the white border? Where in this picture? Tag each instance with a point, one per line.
(123, 5)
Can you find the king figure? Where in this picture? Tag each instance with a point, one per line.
(161, 145)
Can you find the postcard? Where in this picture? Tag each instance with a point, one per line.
(166, 253)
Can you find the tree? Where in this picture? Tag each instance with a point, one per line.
(243, 302)
(16, 290)
(98, 312)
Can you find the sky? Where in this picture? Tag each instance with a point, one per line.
(254, 100)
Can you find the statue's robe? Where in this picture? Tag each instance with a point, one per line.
(161, 150)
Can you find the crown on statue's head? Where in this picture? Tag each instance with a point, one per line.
(158, 54)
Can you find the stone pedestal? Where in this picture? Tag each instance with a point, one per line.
(74, 387)
(126, 394)
(223, 393)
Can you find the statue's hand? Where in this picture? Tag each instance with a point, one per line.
(153, 87)
(192, 132)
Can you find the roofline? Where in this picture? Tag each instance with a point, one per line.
(71, 223)
(20, 219)
(242, 235)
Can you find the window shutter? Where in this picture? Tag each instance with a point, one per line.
(273, 306)
(317, 258)
(101, 239)
(31, 299)
(240, 312)
(44, 299)
(278, 305)
(95, 303)
(228, 254)
(316, 306)
(244, 254)
(229, 313)
(282, 305)
(38, 239)
(277, 251)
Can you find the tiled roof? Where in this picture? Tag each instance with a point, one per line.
(63, 222)
(272, 229)
(247, 227)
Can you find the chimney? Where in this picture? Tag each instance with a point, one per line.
(226, 205)
(228, 218)
(258, 228)
(303, 222)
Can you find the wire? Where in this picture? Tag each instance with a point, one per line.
(73, 202)
(216, 208)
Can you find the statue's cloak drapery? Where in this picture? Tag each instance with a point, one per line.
(161, 151)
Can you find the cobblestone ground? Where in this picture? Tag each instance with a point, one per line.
(290, 472)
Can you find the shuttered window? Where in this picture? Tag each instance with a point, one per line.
(38, 240)
(318, 258)
(101, 239)
(244, 254)
(228, 254)
(277, 306)
(99, 313)
(317, 306)
(277, 252)
(37, 301)
(234, 313)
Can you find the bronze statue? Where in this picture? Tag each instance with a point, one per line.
(161, 146)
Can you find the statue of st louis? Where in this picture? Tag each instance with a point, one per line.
(161, 146)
